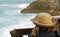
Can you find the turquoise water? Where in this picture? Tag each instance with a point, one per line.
(15, 1)
(11, 18)
(14, 21)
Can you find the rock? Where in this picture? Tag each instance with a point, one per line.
(49, 6)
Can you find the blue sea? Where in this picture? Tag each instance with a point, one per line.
(11, 17)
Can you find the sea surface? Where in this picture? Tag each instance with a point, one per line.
(11, 18)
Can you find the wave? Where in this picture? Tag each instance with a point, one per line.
(15, 5)
(13, 8)
(13, 12)
(5, 32)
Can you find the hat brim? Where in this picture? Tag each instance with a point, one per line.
(51, 24)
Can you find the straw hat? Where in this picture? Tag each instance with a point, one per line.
(44, 19)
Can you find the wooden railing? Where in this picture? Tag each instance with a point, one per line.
(20, 32)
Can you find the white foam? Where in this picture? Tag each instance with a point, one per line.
(13, 12)
(16, 5)
(5, 32)
(21, 6)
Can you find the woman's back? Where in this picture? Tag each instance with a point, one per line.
(45, 33)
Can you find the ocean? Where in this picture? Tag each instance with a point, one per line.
(11, 18)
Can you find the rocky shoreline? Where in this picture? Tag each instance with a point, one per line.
(42, 6)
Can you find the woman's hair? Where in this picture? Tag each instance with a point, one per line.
(35, 31)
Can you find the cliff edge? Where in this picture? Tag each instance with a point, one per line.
(43, 6)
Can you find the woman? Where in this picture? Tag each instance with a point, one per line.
(45, 26)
